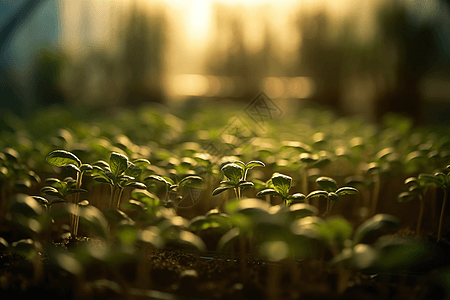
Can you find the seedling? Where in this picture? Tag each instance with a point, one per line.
(281, 186)
(416, 189)
(236, 174)
(120, 173)
(441, 180)
(331, 191)
(171, 185)
(62, 158)
(15, 176)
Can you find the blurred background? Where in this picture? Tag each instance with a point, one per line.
(357, 57)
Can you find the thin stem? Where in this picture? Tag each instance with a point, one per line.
(111, 196)
(3, 202)
(376, 192)
(237, 191)
(75, 219)
(442, 215)
(111, 200)
(119, 197)
(166, 198)
(331, 205)
(305, 184)
(328, 205)
(419, 222)
(243, 257)
(268, 199)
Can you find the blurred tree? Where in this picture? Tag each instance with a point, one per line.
(143, 40)
(407, 49)
(129, 70)
(46, 83)
(324, 57)
(230, 56)
(12, 97)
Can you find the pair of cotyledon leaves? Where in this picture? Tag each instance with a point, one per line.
(236, 173)
(282, 184)
(120, 171)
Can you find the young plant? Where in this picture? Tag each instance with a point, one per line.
(15, 176)
(236, 173)
(441, 180)
(62, 158)
(416, 189)
(331, 191)
(171, 185)
(281, 184)
(120, 173)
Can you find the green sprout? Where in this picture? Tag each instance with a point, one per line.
(441, 180)
(280, 186)
(171, 185)
(62, 158)
(120, 173)
(416, 189)
(331, 191)
(236, 173)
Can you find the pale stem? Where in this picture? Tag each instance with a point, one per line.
(442, 215)
(376, 191)
(419, 222)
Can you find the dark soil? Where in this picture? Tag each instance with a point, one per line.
(180, 275)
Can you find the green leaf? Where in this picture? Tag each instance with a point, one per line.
(50, 191)
(405, 197)
(333, 196)
(86, 167)
(411, 181)
(220, 189)
(302, 147)
(74, 191)
(233, 172)
(118, 163)
(297, 197)
(136, 185)
(346, 190)
(327, 183)
(52, 180)
(244, 184)
(141, 162)
(377, 223)
(281, 184)
(228, 239)
(103, 165)
(308, 158)
(95, 220)
(61, 158)
(254, 163)
(442, 179)
(58, 200)
(240, 163)
(317, 194)
(83, 203)
(301, 210)
(102, 179)
(41, 200)
(132, 170)
(167, 181)
(429, 179)
(267, 192)
(72, 167)
(228, 184)
(191, 179)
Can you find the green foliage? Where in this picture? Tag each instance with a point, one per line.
(331, 191)
(236, 173)
(281, 185)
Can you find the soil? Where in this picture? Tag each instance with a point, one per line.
(176, 274)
